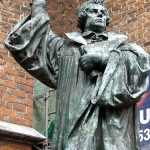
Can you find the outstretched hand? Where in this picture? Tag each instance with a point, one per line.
(89, 62)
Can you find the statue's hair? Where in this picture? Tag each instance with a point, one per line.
(83, 11)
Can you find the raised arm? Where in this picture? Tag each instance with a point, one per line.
(34, 46)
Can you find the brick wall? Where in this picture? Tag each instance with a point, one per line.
(9, 145)
(63, 15)
(132, 18)
(16, 86)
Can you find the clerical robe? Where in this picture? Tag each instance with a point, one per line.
(95, 114)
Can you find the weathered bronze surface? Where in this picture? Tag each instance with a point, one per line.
(99, 78)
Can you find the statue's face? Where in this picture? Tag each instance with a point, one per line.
(96, 19)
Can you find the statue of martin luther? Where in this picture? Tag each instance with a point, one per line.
(99, 78)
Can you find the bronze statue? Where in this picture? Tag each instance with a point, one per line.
(99, 78)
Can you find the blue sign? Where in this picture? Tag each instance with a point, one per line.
(144, 120)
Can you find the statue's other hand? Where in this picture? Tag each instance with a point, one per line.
(90, 62)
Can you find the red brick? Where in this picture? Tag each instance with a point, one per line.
(28, 116)
(2, 45)
(130, 1)
(26, 3)
(2, 88)
(2, 75)
(19, 107)
(29, 89)
(19, 93)
(28, 76)
(141, 31)
(20, 80)
(28, 123)
(2, 35)
(10, 59)
(29, 109)
(10, 77)
(21, 74)
(116, 16)
(18, 67)
(19, 121)
(139, 2)
(31, 83)
(1, 117)
(2, 62)
(28, 102)
(5, 7)
(147, 44)
(18, 1)
(2, 103)
(10, 84)
(3, 51)
(6, 13)
(30, 96)
(10, 64)
(16, 16)
(8, 112)
(10, 71)
(14, 10)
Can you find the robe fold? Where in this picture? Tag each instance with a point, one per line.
(90, 115)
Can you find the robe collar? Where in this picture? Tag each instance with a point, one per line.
(112, 37)
(90, 33)
(92, 37)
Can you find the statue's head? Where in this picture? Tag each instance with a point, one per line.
(93, 16)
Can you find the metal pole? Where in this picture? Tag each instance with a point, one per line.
(46, 95)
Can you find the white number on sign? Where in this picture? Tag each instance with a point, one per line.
(147, 134)
(144, 135)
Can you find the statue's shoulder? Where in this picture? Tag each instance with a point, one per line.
(133, 47)
(115, 40)
(117, 36)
